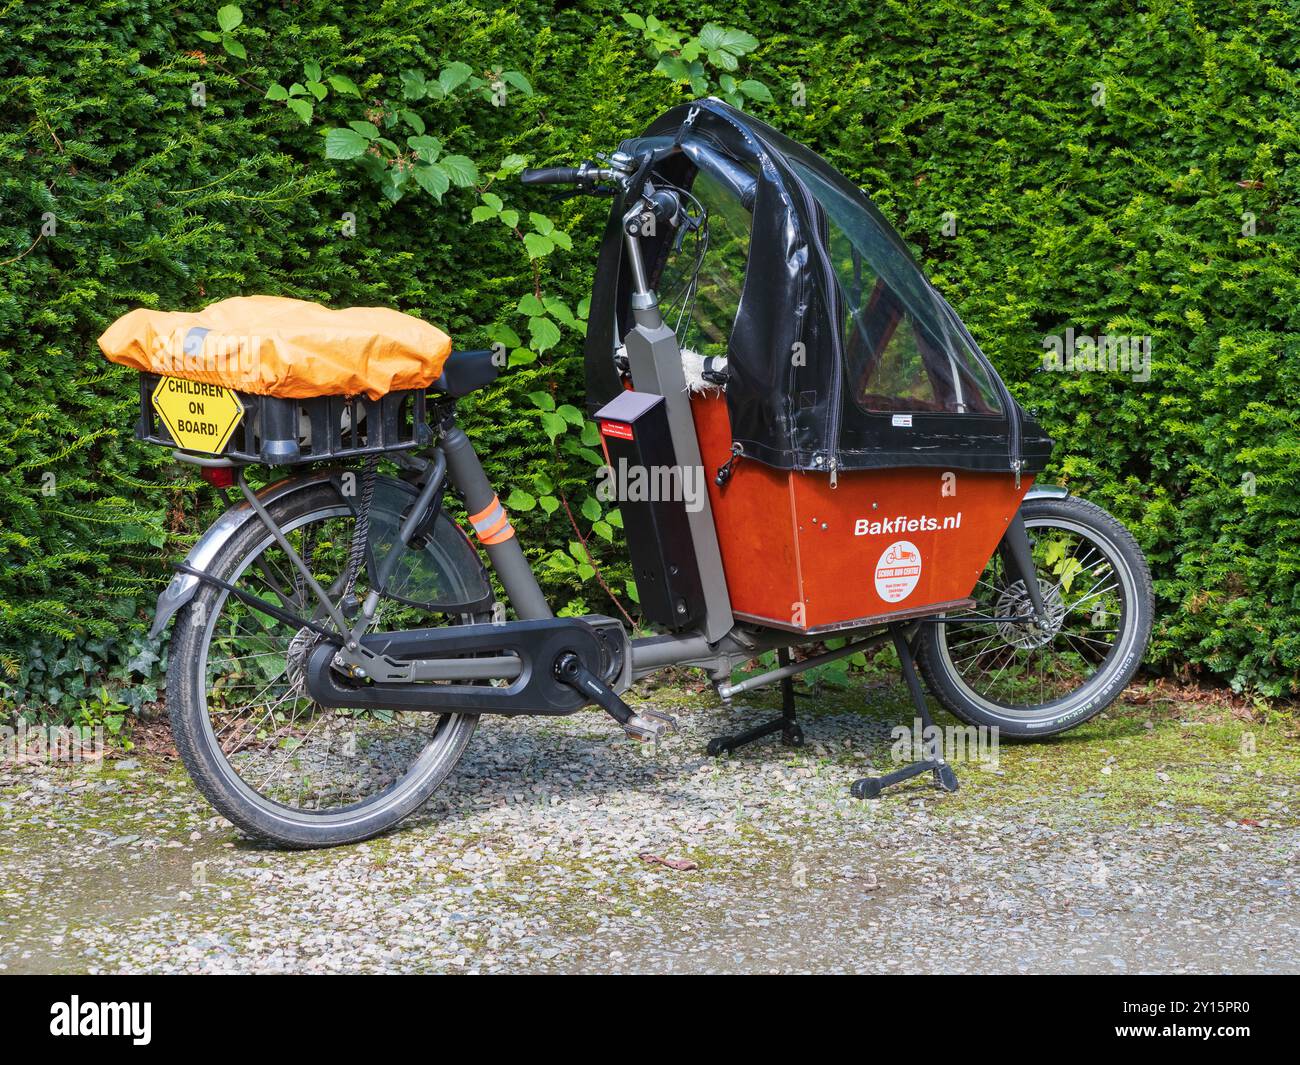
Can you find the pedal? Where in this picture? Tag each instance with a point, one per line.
(649, 726)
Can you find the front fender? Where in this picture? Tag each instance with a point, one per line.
(182, 587)
(1047, 491)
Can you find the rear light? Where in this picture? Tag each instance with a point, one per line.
(218, 476)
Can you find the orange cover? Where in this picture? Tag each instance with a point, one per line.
(273, 346)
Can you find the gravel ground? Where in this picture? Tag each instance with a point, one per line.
(541, 855)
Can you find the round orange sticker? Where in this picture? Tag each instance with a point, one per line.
(898, 571)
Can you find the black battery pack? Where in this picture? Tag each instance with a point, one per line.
(653, 493)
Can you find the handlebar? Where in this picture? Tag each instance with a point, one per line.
(588, 176)
(551, 175)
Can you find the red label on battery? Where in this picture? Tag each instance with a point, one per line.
(616, 429)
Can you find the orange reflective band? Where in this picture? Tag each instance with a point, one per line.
(494, 528)
(500, 537)
(475, 519)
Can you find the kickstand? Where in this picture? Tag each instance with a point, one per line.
(791, 733)
(944, 777)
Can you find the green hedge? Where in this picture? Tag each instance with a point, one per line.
(1119, 216)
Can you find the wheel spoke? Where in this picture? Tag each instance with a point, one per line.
(1026, 665)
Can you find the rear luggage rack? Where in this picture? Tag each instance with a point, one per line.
(281, 432)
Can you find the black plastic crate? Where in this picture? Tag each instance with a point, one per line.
(280, 432)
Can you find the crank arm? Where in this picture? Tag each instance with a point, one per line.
(647, 725)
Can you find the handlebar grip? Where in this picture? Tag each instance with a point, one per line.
(551, 175)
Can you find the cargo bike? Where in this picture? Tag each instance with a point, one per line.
(836, 460)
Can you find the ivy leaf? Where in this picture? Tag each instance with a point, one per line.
(433, 179)
(233, 47)
(340, 83)
(538, 245)
(521, 501)
(543, 333)
(461, 170)
(454, 76)
(427, 148)
(301, 108)
(229, 17)
(344, 144)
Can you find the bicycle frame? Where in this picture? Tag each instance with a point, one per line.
(543, 664)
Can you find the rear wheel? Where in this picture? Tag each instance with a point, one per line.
(268, 757)
(1030, 680)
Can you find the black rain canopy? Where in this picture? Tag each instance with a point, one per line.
(841, 355)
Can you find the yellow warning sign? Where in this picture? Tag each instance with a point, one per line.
(200, 417)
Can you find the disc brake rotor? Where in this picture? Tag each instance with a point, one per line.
(1014, 601)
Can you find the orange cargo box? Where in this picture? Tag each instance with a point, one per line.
(889, 543)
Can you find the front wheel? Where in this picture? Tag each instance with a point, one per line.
(268, 757)
(1030, 680)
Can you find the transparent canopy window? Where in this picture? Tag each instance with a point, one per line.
(900, 352)
(704, 273)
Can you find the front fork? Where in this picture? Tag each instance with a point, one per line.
(1018, 561)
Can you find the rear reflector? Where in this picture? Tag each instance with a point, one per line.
(218, 476)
